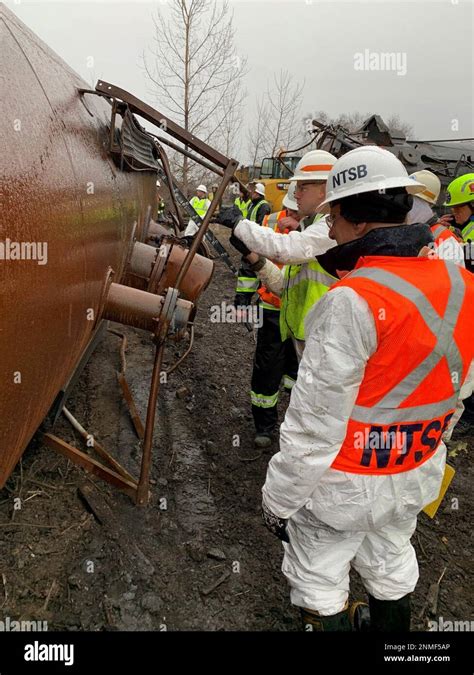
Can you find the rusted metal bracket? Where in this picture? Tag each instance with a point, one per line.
(189, 211)
(118, 476)
(115, 473)
(130, 487)
(127, 394)
(158, 315)
(228, 173)
(163, 122)
(125, 103)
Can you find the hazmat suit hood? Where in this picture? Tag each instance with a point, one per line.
(421, 212)
(400, 240)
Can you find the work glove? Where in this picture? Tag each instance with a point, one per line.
(239, 245)
(230, 216)
(187, 241)
(276, 525)
(242, 300)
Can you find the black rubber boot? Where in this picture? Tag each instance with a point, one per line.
(390, 615)
(337, 622)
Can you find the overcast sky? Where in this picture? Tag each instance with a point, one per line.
(315, 41)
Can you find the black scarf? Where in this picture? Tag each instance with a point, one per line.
(404, 241)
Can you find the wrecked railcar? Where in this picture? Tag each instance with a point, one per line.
(79, 246)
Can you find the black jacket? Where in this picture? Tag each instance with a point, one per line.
(399, 240)
(262, 211)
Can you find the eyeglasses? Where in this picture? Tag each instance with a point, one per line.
(302, 187)
(332, 219)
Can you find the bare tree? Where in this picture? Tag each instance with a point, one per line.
(229, 137)
(395, 123)
(278, 118)
(257, 137)
(196, 73)
(284, 107)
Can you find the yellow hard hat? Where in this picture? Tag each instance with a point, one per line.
(460, 190)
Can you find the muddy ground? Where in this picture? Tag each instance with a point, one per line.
(198, 557)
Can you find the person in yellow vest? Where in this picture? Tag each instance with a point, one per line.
(243, 202)
(247, 280)
(446, 244)
(389, 354)
(460, 198)
(213, 191)
(304, 280)
(200, 202)
(275, 359)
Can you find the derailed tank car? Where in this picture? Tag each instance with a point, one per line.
(74, 223)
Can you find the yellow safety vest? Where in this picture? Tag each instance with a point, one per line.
(253, 211)
(243, 206)
(305, 284)
(200, 206)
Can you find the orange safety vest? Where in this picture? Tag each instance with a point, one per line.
(266, 295)
(423, 311)
(442, 233)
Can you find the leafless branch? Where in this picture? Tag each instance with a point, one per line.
(195, 74)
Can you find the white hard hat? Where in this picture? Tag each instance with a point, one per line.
(260, 188)
(367, 169)
(201, 188)
(289, 198)
(315, 165)
(432, 185)
(158, 184)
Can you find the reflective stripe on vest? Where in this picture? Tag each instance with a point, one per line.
(441, 233)
(247, 284)
(273, 218)
(253, 212)
(305, 284)
(437, 231)
(468, 231)
(311, 272)
(384, 437)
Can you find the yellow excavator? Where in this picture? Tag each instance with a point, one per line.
(274, 173)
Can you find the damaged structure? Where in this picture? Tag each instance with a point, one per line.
(80, 181)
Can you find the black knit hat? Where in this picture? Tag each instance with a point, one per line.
(388, 206)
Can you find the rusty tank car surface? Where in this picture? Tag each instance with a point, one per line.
(78, 183)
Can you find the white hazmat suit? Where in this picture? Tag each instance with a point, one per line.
(290, 249)
(337, 519)
(294, 248)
